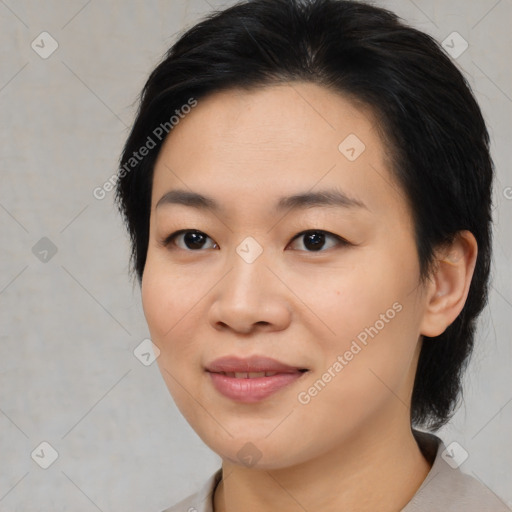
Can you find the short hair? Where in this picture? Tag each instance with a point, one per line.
(432, 125)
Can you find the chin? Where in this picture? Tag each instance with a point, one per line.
(257, 452)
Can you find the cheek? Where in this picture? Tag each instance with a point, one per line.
(368, 312)
(344, 300)
(364, 369)
(156, 297)
(169, 297)
(169, 313)
(168, 310)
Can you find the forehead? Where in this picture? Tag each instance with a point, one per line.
(275, 120)
(284, 139)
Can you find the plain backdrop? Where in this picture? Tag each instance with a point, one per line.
(70, 316)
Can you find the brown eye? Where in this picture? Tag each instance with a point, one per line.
(316, 240)
(189, 239)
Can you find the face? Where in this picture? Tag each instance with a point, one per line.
(286, 301)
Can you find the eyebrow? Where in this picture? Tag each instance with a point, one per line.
(331, 197)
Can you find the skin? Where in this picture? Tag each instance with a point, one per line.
(351, 447)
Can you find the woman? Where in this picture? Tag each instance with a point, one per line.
(307, 186)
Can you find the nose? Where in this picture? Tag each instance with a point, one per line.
(250, 298)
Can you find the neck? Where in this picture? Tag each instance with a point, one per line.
(374, 470)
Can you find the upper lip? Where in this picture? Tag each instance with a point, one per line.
(250, 364)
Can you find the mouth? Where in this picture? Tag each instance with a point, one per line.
(251, 366)
(254, 375)
(252, 379)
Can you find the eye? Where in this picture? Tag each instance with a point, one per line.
(193, 240)
(189, 239)
(315, 240)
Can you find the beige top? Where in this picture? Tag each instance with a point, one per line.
(445, 489)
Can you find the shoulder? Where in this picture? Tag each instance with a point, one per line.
(201, 501)
(447, 488)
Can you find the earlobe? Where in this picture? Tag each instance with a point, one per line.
(448, 287)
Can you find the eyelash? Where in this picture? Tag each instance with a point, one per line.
(169, 239)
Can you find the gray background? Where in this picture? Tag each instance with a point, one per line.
(69, 325)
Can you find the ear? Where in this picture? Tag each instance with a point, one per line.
(448, 287)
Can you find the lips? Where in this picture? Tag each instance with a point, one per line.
(251, 379)
(248, 375)
(250, 365)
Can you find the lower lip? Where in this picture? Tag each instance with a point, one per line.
(252, 390)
